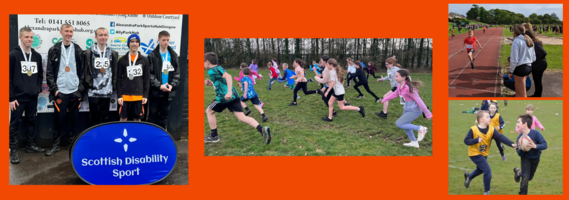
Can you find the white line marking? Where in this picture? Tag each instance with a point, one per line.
(458, 87)
(491, 156)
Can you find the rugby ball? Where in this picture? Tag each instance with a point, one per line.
(523, 143)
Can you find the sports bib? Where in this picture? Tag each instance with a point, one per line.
(30, 69)
(469, 46)
(167, 67)
(135, 71)
(102, 63)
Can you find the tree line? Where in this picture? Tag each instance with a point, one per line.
(499, 16)
(411, 53)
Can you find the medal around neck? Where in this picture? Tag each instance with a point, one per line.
(28, 61)
(29, 73)
(131, 66)
(134, 153)
(68, 56)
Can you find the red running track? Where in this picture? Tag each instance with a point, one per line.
(483, 80)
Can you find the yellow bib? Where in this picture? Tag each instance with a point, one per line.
(483, 147)
(495, 122)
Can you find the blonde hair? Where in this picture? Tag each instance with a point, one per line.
(393, 61)
(338, 68)
(480, 114)
(529, 106)
(520, 30)
(285, 65)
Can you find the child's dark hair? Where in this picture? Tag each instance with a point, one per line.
(526, 118)
(211, 57)
(253, 61)
(325, 58)
(494, 104)
(358, 64)
(246, 71)
(275, 60)
(410, 84)
(300, 62)
(270, 64)
(243, 66)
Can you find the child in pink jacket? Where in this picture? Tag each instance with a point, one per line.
(412, 109)
(244, 65)
(535, 122)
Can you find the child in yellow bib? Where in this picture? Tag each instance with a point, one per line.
(479, 139)
(497, 122)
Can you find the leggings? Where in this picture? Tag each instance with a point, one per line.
(373, 74)
(302, 85)
(537, 70)
(482, 167)
(404, 122)
(366, 86)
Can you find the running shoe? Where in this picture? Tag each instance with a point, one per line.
(381, 114)
(466, 179)
(422, 133)
(266, 133)
(265, 118)
(247, 112)
(412, 144)
(378, 100)
(292, 104)
(209, 138)
(326, 119)
(517, 174)
(360, 96)
(362, 112)
(504, 158)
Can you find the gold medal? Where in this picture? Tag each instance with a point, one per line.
(102, 70)
(29, 73)
(165, 72)
(67, 69)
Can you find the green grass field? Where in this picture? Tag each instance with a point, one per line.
(507, 33)
(554, 56)
(548, 178)
(299, 130)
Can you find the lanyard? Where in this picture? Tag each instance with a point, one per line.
(28, 60)
(165, 58)
(102, 55)
(131, 64)
(68, 54)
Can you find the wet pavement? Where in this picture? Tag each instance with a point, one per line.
(38, 169)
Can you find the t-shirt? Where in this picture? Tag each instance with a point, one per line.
(470, 43)
(250, 89)
(167, 56)
(220, 85)
(338, 87)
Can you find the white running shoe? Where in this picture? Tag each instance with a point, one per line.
(412, 144)
(422, 133)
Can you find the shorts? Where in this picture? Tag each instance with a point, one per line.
(132, 109)
(233, 106)
(393, 89)
(522, 70)
(255, 100)
(469, 50)
(339, 97)
(291, 86)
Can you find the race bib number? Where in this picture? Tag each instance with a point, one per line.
(483, 148)
(33, 68)
(167, 66)
(102, 64)
(469, 46)
(135, 71)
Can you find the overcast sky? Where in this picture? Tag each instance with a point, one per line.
(525, 9)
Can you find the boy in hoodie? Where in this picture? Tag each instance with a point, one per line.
(100, 76)
(65, 80)
(529, 159)
(26, 75)
(164, 79)
(133, 81)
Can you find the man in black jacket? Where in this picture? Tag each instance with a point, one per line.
(26, 75)
(100, 65)
(65, 80)
(133, 81)
(164, 79)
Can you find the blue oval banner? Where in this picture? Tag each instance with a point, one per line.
(124, 153)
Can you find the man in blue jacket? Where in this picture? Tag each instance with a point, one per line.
(529, 159)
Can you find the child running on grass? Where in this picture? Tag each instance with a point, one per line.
(412, 109)
(497, 122)
(272, 74)
(529, 159)
(300, 81)
(250, 94)
(534, 121)
(226, 98)
(360, 75)
(276, 66)
(470, 46)
(392, 68)
(479, 138)
(371, 69)
(336, 82)
(252, 74)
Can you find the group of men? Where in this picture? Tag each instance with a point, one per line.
(73, 73)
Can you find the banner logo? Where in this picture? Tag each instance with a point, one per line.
(112, 24)
(147, 48)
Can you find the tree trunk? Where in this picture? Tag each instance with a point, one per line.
(420, 52)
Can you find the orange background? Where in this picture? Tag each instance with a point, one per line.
(278, 177)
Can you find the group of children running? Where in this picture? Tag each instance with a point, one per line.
(489, 125)
(330, 76)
